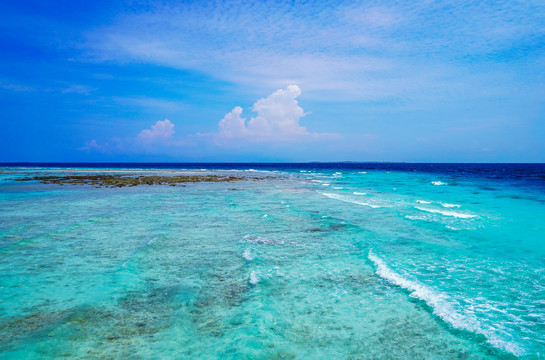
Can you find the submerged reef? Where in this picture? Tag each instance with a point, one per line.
(118, 180)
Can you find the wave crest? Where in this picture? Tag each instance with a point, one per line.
(447, 213)
(441, 306)
(345, 199)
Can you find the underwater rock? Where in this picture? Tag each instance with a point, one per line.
(329, 228)
(18, 328)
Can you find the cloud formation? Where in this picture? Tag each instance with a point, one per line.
(337, 50)
(158, 139)
(161, 131)
(277, 119)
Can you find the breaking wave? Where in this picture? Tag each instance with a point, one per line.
(442, 306)
(447, 212)
(345, 199)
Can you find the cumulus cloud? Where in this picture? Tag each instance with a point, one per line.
(161, 131)
(158, 139)
(232, 125)
(277, 119)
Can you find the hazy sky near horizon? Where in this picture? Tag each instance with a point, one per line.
(429, 81)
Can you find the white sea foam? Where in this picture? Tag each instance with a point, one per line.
(450, 205)
(363, 172)
(344, 198)
(248, 254)
(423, 202)
(254, 278)
(359, 193)
(413, 217)
(442, 306)
(253, 239)
(438, 183)
(337, 188)
(151, 240)
(266, 215)
(325, 184)
(447, 213)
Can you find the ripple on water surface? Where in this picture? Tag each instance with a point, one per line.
(203, 271)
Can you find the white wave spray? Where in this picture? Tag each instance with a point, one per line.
(442, 307)
(447, 213)
(345, 199)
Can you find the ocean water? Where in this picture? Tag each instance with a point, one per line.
(317, 261)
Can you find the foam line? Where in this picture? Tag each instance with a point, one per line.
(441, 306)
(447, 213)
(342, 198)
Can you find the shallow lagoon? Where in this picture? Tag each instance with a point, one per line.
(318, 263)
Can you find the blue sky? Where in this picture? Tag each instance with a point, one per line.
(430, 81)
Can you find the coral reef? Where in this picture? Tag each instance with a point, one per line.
(118, 180)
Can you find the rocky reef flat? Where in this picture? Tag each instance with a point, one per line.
(120, 180)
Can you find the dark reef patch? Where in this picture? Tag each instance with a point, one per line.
(17, 328)
(116, 180)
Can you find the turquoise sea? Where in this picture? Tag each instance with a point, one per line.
(317, 261)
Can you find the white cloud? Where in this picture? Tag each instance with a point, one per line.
(337, 50)
(158, 139)
(161, 131)
(277, 119)
(232, 125)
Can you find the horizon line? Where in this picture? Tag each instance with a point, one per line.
(258, 162)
